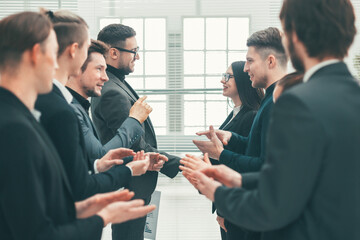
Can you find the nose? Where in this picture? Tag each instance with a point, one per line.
(137, 56)
(104, 77)
(222, 81)
(246, 67)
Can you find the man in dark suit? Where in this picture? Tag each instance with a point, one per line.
(308, 187)
(36, 200)
(89, 84)
(111, 109)
(62, 125)
(266, 64)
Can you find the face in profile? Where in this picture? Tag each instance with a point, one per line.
(47, 64)
(126, 61)
(93, 78)
(256, 67)
(229, 85)
(288, 44)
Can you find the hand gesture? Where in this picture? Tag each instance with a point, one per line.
(140, 163)
(140, 110)
(224, 136)
(157, 161)
(224, 175)
(113, 157)
(195, 163)
(214, 147)
(94, 204)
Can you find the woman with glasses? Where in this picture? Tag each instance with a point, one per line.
(246, 99)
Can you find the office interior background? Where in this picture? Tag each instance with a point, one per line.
(185, 45)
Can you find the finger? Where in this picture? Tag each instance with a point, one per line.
(115, 162)
(188, 164)
(202, 133)
(142, 99)
(206, 158)
(163, 157)
(212, 133)
(141, 211)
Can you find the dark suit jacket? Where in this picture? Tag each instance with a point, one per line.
(62, 125)
(109, 111)
(35, 196)
(309, 186)
(247, 153)
(125, 136)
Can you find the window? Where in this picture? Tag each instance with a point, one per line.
(211, 44)
(150, 70)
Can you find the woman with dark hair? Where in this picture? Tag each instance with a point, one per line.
(246, 99)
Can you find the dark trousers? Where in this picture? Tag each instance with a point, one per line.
(130, 230)
(236, 233)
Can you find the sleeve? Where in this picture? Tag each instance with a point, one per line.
(66, 135)
(115, 116)
(23, 199)
(288, 176)
(244, 163)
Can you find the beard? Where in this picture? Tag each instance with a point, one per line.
(294, 57)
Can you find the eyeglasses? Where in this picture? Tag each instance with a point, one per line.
(135, 52)
(226, 76)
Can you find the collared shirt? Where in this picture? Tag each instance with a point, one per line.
(235, 111)
(317, 67)
(67, 95)
(83, 101)
(36, 114)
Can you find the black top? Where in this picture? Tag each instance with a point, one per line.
(35, 196)
(83, 101)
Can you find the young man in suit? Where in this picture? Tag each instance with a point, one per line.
(266, 63)
(62, 125)
(89, 84)
(308, 187)
(36, 201)
(111, 109)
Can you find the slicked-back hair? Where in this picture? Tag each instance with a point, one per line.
(325, 27)
(68, 33)
(268, 41)
(116, 34)
(250, 97)
(96, 46)
(20, 32)
(290, 80)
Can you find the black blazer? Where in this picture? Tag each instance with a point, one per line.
(309, 186)
(247, 153)
(109, 111)
(35, 197)
(63, 127)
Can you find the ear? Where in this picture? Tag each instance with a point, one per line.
(72, 49)
(35, 53)
(271, 60)
(113, 54)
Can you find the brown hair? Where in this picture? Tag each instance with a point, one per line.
(290, 80)
(20, 32)
(325, 27)
(69, 33)
(95, 47)
(268, 41)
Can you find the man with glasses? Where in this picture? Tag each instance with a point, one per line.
(266, 63)
(111, 109)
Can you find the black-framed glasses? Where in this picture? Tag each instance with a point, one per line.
(226, 76)
(135, 51)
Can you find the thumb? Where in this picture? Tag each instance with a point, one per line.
(206, 158)
(212, 133)
(142, 99)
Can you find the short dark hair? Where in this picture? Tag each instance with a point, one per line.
(325, 27)
(250, 97)
(20, 32)
(290, 80)
(95, 47)
(68, 33)
(268, 41)
(116, 34)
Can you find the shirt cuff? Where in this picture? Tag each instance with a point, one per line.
(131, 171)
(95, 168)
